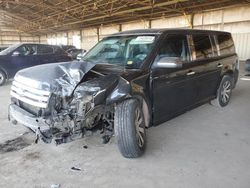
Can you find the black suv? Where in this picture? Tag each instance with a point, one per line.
(20, 56)
(127, 82)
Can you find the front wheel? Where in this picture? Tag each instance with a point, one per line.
(224, 92)
(2, 78)
(130, 128)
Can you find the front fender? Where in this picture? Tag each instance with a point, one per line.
(120, 92)
(132, 90)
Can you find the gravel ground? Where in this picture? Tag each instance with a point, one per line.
(205, 147)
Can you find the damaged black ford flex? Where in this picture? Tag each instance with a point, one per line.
(129, 81)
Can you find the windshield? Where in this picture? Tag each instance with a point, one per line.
(9, 50)
(126, 51)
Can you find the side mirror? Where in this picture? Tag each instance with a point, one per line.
(169, 62)
(16, 53)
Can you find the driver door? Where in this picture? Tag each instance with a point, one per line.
(173, 89)
(24, 57)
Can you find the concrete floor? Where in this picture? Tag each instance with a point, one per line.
(205, 147)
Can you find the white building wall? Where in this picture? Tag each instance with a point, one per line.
(175, 22)
(89, 38)
(235, 20)
(140, 24)
(105, 31)
(10, 36)
(242, 44)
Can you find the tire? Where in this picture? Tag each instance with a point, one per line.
(224, 92)
(2, 78)
(130, 129)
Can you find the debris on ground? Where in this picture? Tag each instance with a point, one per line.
(85, 147)
(75, 168)
(106, 139)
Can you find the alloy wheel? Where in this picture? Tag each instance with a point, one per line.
(140, 129)
(226, 92)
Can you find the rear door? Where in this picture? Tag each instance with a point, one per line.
(207, 66)
(45, 54)
(227, 55)
(60, 55)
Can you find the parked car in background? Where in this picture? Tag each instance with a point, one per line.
(81, 55)
(247, 65)
(67, 47)
(127, 82)
(2, 48)
(74, 52)
(22, 56)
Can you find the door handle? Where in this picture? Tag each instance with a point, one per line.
(219, 65)
(190, 73)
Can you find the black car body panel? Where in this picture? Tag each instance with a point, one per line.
(79, 95)
(67, 47)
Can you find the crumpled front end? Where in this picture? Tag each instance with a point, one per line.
(73, 99)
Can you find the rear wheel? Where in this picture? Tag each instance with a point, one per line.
(224, 92)
(130, 129)
(2, 78)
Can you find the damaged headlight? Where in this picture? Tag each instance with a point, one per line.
(75, 74)
(86, 92)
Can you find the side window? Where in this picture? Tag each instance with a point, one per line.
(175, 46)
(226, 44)
(42, 49)
(58, 50)
(202, 46)
(27, 50)
(216, 51)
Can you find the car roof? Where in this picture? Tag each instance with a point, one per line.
(35, 44)
(164, 30)
(54, 46)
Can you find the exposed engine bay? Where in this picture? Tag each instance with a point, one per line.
(67, 101)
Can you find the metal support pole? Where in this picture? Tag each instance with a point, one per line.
(98, 33)
(149, 24)
(67, 36)
(81, 37)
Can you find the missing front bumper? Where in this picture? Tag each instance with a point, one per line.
(27, 119)
(39, 126)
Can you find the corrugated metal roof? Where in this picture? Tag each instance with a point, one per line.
(41, 17)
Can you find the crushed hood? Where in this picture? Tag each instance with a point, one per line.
(49, 76)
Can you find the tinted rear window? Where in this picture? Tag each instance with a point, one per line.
(59, 50)
(44, 49)
(175, 46)
(226, 44)
(202, 46)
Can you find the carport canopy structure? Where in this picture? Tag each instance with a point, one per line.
(47, 16)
